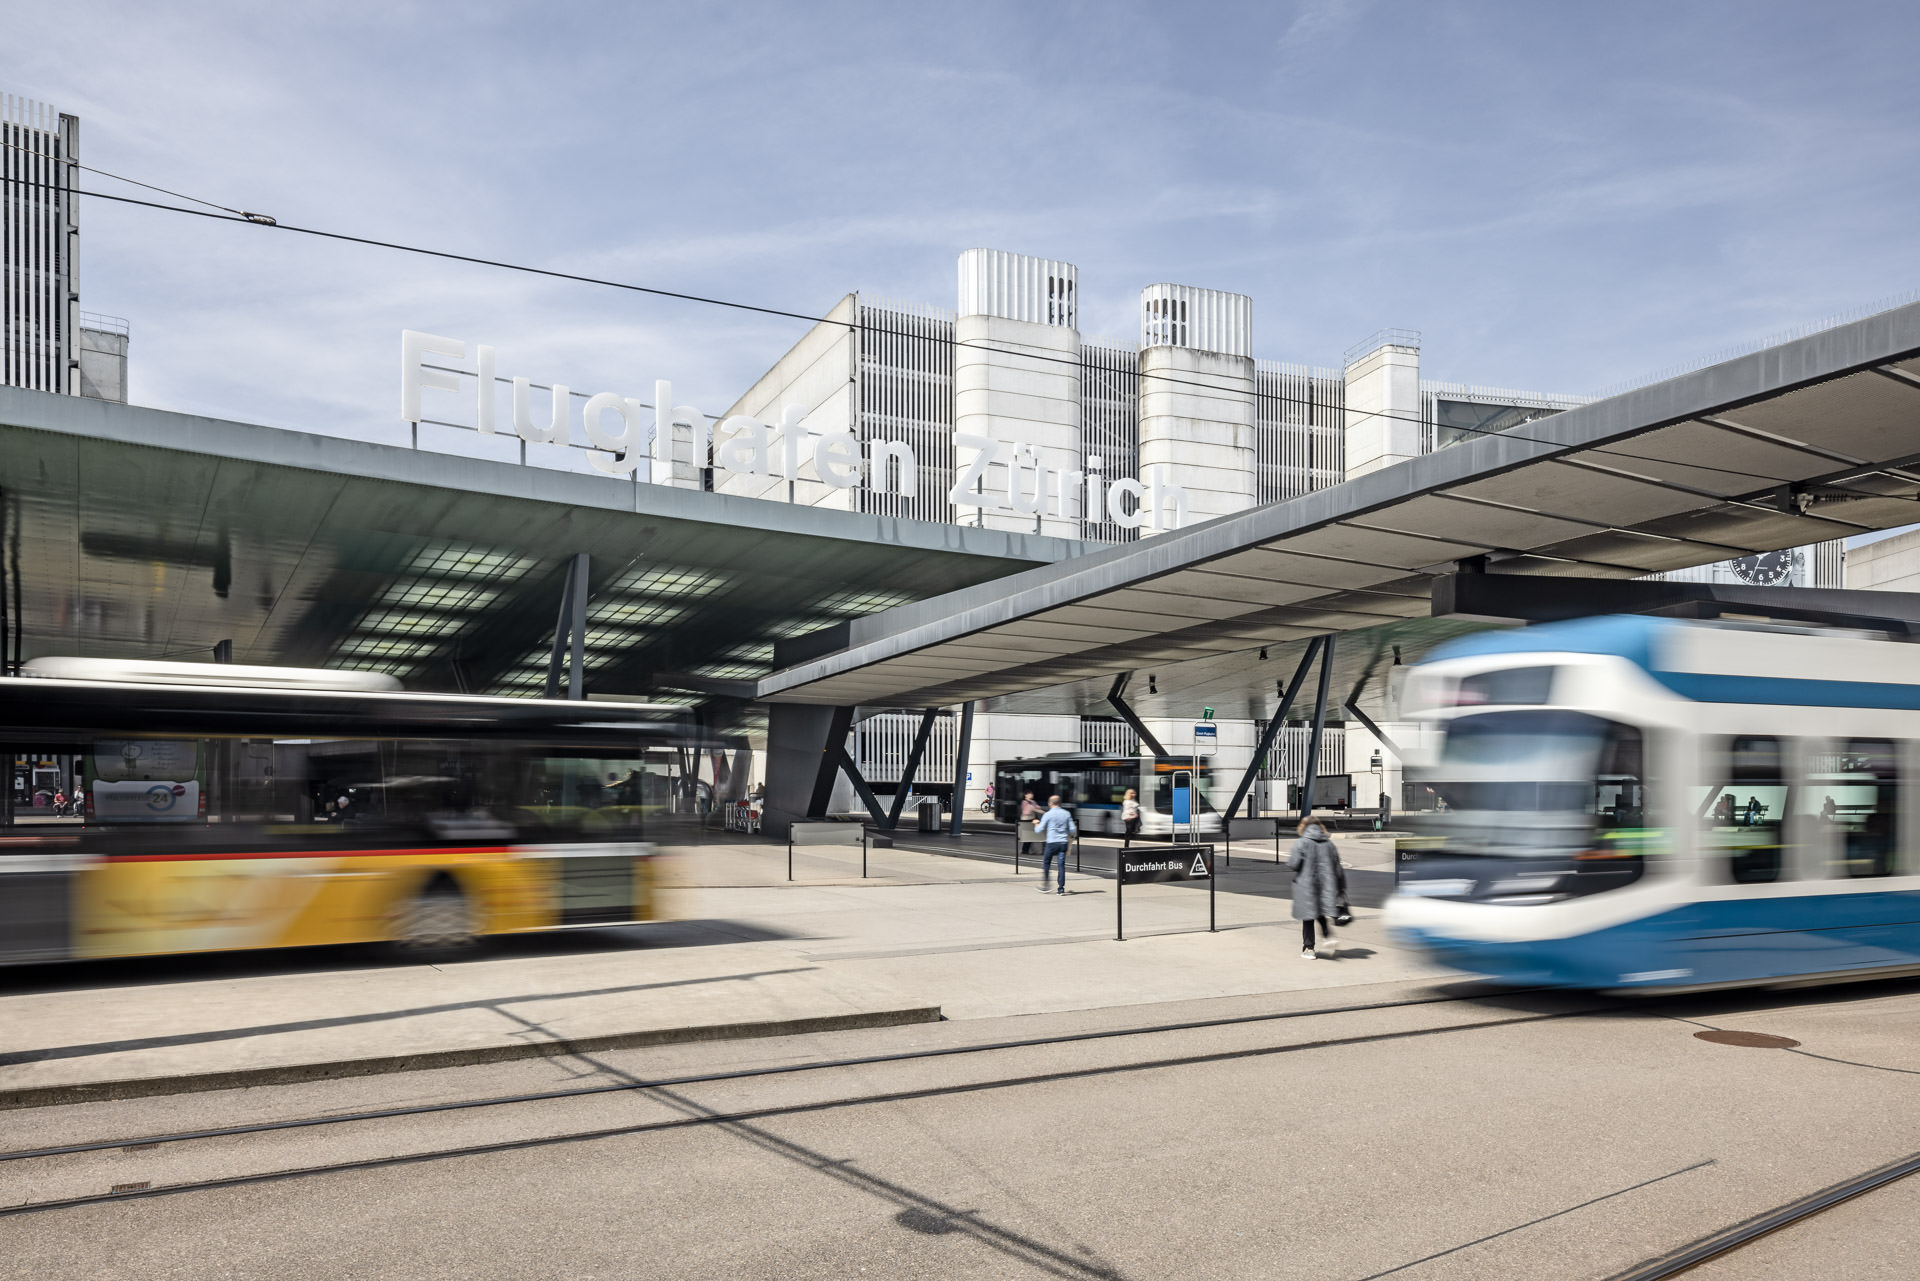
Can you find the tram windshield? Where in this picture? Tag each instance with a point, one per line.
(1531, 783)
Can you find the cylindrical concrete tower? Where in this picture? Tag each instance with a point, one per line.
(1196, 397)
(1016, 381)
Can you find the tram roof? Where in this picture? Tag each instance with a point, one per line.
(1798, 443)
(136, 532)
(1717, 661)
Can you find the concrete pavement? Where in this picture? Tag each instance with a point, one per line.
(1536, 1137)
(751, 952)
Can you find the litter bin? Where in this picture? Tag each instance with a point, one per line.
(929, 813)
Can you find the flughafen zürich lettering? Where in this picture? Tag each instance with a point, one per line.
(748, 446)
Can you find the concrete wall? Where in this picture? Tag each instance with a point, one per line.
(1018, 402)
(103, 365)
(1383, 408)
(1888, 565)
(817, 372)
(1196, 429)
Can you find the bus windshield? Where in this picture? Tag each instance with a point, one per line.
(1528, 783)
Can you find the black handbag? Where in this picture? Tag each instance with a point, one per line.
(1342, 914)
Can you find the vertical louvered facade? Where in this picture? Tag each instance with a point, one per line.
(1300, 437)
(1110, 425)
(38, 239)
(905, 362)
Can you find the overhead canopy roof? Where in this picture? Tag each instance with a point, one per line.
(1795, 444)
(138, 532)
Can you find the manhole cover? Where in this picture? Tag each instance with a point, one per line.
(1755, 1040)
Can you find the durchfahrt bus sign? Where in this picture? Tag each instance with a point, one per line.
(1147, 864)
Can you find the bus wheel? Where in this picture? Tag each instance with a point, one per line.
(436, 921)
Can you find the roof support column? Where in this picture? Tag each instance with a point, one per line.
(961, 752)
(1127, 713)
(862, 788)
(839, 725)
(1319, 727)
(1353, 708)
(570, 632)
(1274, 726)
(905, 784)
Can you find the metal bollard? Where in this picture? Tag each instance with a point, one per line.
(789, 858)
(863, 853)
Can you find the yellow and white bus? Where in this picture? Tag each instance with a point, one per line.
(229, 807)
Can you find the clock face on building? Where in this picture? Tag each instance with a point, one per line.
(1768, 569)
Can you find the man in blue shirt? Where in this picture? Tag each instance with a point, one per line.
(1055, 827)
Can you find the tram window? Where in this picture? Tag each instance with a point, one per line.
(1745, 815)
(1619, 794)
(1856, 797)
(1509, 687)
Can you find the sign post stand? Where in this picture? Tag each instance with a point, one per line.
(1168, 863)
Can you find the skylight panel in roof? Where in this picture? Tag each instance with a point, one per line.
(854, 603)
(633, 613)
(732, 671)
(664, 580)
(464, 560)
(441, 595)
(795, 626)
(384, 647)
(615, 638)
(400, 622)
(388, 666)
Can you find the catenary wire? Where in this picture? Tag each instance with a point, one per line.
(263, 219)
(1511, 433)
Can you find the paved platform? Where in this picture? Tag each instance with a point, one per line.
(749, 954)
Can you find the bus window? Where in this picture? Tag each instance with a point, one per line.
(1745, 816)
(1855, 796)
(146, 781)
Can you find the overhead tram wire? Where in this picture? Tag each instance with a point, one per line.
(265, 220)
(1511, 433)
(781, 313)
(655, 291)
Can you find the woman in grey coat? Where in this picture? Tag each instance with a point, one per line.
(1316, 885)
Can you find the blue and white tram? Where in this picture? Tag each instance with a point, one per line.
(1646, 803)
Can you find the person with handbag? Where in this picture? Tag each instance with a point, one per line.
(1317, 883)
(1130, 815)
(1030, 811)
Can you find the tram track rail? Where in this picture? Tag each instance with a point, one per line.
(1730, 1240)
(698, 1116)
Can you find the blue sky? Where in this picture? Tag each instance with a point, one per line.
(1560, 197)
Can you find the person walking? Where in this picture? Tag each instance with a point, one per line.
(1130, 815)
(1029, 813)
(1055, 828)
(1316, 885)
(1386, 811)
